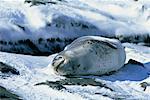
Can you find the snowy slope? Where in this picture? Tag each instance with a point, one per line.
(124, 84)
(46, 29)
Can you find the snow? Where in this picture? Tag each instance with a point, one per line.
(47, 29)
(125, 82)
(70, 19)
(36, 16)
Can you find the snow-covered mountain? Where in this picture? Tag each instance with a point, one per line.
(47, 26)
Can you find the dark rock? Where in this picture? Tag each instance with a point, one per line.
(21, 27)
(4, 68)
(7, 95)
(38, 2)
(144, 85)
(40, 40)
(84, 26)
(73, 81)
(131, 61)
(53, 85)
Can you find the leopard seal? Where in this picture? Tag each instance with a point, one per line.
(90, 55)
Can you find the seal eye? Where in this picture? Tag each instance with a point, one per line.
(58, 57)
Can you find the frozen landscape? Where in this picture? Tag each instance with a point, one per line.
(45, 27)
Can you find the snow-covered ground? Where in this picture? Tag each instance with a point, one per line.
(45, 29)
(123, 84)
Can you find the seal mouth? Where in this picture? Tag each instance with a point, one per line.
(57, 62)
(58, 66)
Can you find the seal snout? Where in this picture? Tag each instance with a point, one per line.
(57, 61)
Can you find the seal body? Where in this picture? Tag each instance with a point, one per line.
(90, 55)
